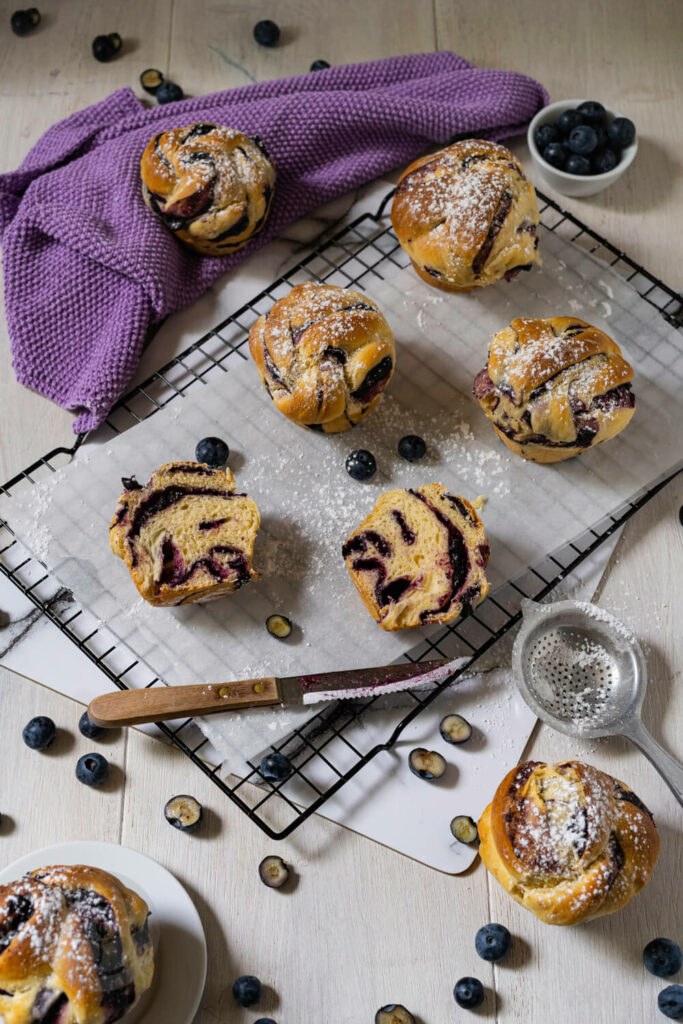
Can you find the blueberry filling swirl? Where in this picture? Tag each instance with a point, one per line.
(18, 911)
(458, 557)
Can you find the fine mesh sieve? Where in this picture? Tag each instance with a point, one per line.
(584, 673)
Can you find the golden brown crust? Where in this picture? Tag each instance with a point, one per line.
(324, 355)
(212, 186)
(466, 215)
(554, 387)
(567, 841)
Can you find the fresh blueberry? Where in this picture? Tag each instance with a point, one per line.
(276, 767)
(464, 828)
(361, 464)
(22, 22)
(582, 139)
(88, 728)
(427, 764)
(266, 33)
(621, 132)
(603, 141)
(169, 92)
(213, 452)
(247, 990)
(603, 160)
(568, 120)
(39, 733)
(662, 957)
(183, 812)
(105, 47)
(469, 993)
(670, 1002)
(556, 154)
(577, 164)
(411, 447)
(279, 626)
(455, 729)
(273, 871)
(92, 769)
(493, 942)
(545, 134)
(319, 65)
(592, 113)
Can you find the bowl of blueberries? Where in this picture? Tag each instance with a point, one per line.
(581, 146)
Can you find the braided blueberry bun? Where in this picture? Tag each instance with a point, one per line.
(324, 355)
(211, 186)
(74, 948)
(567, 841)
(553, 388)
(467, 216)
(186, 536)
(418, 558)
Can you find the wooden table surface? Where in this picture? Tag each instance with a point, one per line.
(365, 925)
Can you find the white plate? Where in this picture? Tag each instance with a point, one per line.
(175, 925)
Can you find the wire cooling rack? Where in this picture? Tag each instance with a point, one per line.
(354, 256)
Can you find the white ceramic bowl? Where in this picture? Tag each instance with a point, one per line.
(576, 184)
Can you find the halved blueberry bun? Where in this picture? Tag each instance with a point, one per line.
(324, 355)
(467, 216)
(418, 558)
(555, 387)
(211, 186)
(186, 536)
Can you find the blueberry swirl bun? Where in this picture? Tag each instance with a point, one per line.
(567, 841)
(553, 388)
(211, 186)
(74, 948)
(418, 558)
(467, 216)
(186, 536)
(324, 354)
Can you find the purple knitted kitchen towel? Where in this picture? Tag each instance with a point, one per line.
(88, 269)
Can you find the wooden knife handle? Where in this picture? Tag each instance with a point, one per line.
(159, 703)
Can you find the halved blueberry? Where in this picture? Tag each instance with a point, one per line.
(276, 767)
(464, 829)
(39, 733)
(568, 120)
(545, 134)
(273, 872)
(394, 1013)
(213, 452)
(670, 1002)
(556, 154)
(469, 993)
(105, 47)
(577, 164)
(88, 728)
(361, 464)
(169, 92)
(411, 447)
(279, 626)
(266, 33)
(493, 942)
(150, 80)
(662, 957)
(621, 132)
(604, 160)
(582, 139)
(247, 990)
(592, 113)
(319, 65)
(455, 729)
(183, 812)
(92, 769)
(427, 764)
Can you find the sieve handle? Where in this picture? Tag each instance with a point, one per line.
(668, 767)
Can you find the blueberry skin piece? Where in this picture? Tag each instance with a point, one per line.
(670, 1002)
(469, 993)
(412, 447)
(545, 134)
(266, 33)
(213, 451)
(276, 767)
(92, 769)
(621, 132)
(88, 728)
(247, 990)
(583, 139)
(604, 160)
(493, 942)
(39, 733)
(169, 92)
(592, 113)
(556, 154)
(318, 65)
(662, 957)
(361, 465)
(577, 164)
(568, 120)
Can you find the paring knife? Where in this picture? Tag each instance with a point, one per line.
(159, 703)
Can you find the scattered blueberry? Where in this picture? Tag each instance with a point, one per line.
(412, 447)
(279, 626)
(105, 47)
(556, 154)
(150, 80)
(592, 113)
(621, 132)
(276, 767)
(264, 1020)
(39, 733)
(493, 942)
(670, 1002)
(213, 452)
(426, 764)
(247, 990)
(545, 134)
(319, 65)
(394, 1013)
(568, 120)
(169, 92)
(273, 872)
(23, 22)
(455, 729)
(469, 993)
(582, 139)
(266, 33)
(88, 728)
(577, 164)
(184, 812)
(464, 829)
(603, 160)
(361, 464)
(662, 957)
(92, 769)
